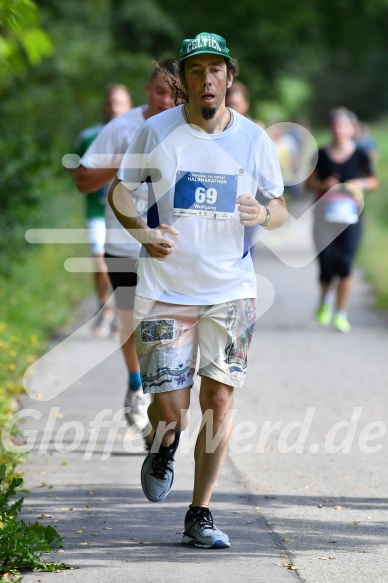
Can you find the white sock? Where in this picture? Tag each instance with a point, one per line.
(327, 298)
(341, 313)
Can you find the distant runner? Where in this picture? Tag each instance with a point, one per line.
(341, 166)
(121, 249)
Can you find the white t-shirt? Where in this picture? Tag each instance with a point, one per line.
(108, 149)
(195, 178)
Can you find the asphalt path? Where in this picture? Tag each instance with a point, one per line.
(303, 493)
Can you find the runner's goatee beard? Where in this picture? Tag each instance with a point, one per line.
(208, 112)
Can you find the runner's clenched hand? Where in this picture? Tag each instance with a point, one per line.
(161, 247)
(251, 211)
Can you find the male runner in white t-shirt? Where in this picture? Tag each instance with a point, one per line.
(117, 102)
(98, 167)
(204, 166)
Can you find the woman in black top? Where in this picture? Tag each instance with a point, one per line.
(343, 172)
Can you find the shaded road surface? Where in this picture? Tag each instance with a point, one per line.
(302, 485)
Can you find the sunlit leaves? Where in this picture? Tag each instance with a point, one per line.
(22, 41)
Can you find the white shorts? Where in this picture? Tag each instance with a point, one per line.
(97, 233)
(168, 336)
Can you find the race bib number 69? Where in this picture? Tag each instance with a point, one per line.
(204, 195)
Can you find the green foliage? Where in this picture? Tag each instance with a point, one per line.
(11, 578)
(297, 59)
(22, 41)
(144, 26)
(373, 256)
(21, 180)
(361, 87)
(282, 47)
(44, 110)
(22, 545)
(336, 46)
(24, 162)
(37, 298)
(293, 96)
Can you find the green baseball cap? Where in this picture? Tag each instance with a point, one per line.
(204, 42)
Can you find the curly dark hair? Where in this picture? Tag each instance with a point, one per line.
(175, 75)
(165, 66)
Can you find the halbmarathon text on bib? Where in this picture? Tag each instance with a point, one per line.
(204, 195)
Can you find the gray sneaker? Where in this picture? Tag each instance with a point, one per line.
(201, 532)
(157, 472)
(102, 322)
(137, 403)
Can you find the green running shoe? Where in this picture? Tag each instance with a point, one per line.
(341, 323)
(323, 314)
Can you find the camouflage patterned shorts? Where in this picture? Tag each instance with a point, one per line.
(168, 336)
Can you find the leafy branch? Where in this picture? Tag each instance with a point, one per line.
(22, 545)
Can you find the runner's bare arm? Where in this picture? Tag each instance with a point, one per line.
(253, 213)
(154, 241)
(91, 179)
(315, 185)
(364, 184)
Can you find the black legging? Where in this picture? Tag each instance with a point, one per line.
(338, 253)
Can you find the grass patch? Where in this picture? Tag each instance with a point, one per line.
(374, 259)
(373, 255)
(37, 298)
